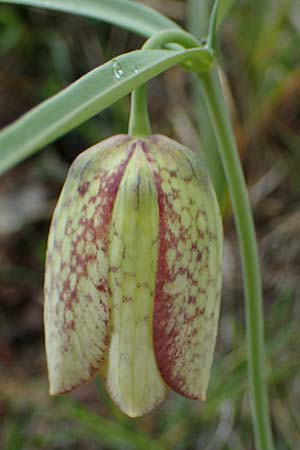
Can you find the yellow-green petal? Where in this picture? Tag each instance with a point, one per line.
(76, 312)
(132, 375)
(188, 283)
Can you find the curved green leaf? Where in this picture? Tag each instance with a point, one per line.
(128, 14)
(198, 14)
(86, 97)
(208, 143)
(223, 10)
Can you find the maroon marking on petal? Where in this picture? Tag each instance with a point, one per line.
(162, 300)
(95, 234)
(191, 300)
(102, 286)
(90, 237)
(83, 188)
(171, 323)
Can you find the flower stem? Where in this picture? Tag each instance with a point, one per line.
(249, 255)
(243, 218)
(181, 38)
(139, 123)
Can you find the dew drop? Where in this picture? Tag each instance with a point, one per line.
(123, 70)
(118, 70)
(134, 70)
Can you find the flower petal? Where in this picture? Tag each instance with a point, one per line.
(188, 285)
(76, 308)
(132, 375)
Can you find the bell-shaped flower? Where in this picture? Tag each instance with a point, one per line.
(133, 273)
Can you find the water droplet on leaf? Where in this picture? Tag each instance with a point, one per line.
(123, 70)
(118, 69)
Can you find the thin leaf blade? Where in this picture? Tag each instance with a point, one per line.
(128, 14)
(84, 98)
(207, 141)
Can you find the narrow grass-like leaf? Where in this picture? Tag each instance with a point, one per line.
(198, 12)
(223, 10)
(208, 143)
(86, 97)
(104, 431)
(128, 14)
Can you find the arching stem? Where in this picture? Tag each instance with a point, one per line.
(250, 260)
(139, 123)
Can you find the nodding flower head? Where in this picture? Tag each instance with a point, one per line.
(133, 273)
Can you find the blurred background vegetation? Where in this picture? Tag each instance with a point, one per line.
(40, 53)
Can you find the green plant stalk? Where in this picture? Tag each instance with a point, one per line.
(245, 226)
(198, 20)
(139, 123)
(249, 255)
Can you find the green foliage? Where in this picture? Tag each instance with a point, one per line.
(128, 14)
(261, 43)
(85, 98)
(198, 25)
